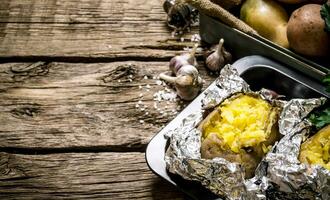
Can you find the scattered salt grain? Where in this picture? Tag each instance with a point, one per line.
(140, 95)
(140, 86)
(165, 95)
(159, 82)
(182, 39)
(141, 121)
(195, 38)
(139, 102)
(186, 49)
(145, 77)
(173, 34)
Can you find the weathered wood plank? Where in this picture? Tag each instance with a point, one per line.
(82, 106)
(76, 29)
(81, 176)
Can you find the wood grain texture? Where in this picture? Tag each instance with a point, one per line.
(81, 176)
(87, 29)
(83, 107)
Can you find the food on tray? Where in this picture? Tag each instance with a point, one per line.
(268, 18)
(306, 31)
(316, 150)
(241, 129)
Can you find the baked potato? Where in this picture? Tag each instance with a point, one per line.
(316, 149)
(241, 129)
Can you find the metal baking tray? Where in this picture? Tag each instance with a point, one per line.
(259, 72)
(241, 44)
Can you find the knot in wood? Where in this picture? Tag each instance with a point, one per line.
(127, 71)
(23, 72)
(25, 111)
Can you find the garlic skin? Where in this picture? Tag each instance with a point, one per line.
(185, 59)
(187, 82)
(219, 58)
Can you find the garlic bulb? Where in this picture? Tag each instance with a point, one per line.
(186, 81)
(184, 59)
(218, 58)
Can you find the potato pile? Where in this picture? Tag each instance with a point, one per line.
(241, 129)
(305, 31)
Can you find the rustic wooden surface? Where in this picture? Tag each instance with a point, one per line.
(81, 176)
(75, 30)
(71, 75)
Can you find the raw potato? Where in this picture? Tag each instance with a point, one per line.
(241, 129)
(316, 150)
(306, 33)
(268, 18)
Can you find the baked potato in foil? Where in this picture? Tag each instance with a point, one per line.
(241, 129)
(316, 149)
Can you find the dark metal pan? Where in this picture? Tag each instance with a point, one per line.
(259, 72)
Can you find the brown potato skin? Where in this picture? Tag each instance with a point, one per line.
(305, 32)
(213, 147)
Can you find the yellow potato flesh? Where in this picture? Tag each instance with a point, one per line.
(243, 123)
(316, 150)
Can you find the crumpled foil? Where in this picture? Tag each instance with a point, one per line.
(280, 175)
(294, 179)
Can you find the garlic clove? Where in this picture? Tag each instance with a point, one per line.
(188, 70)
(187, 88)
(177, 62)
(216, 60)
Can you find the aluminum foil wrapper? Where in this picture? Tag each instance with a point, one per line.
(284, 171)
(278, 176)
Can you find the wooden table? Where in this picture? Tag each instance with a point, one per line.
(71, 75)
